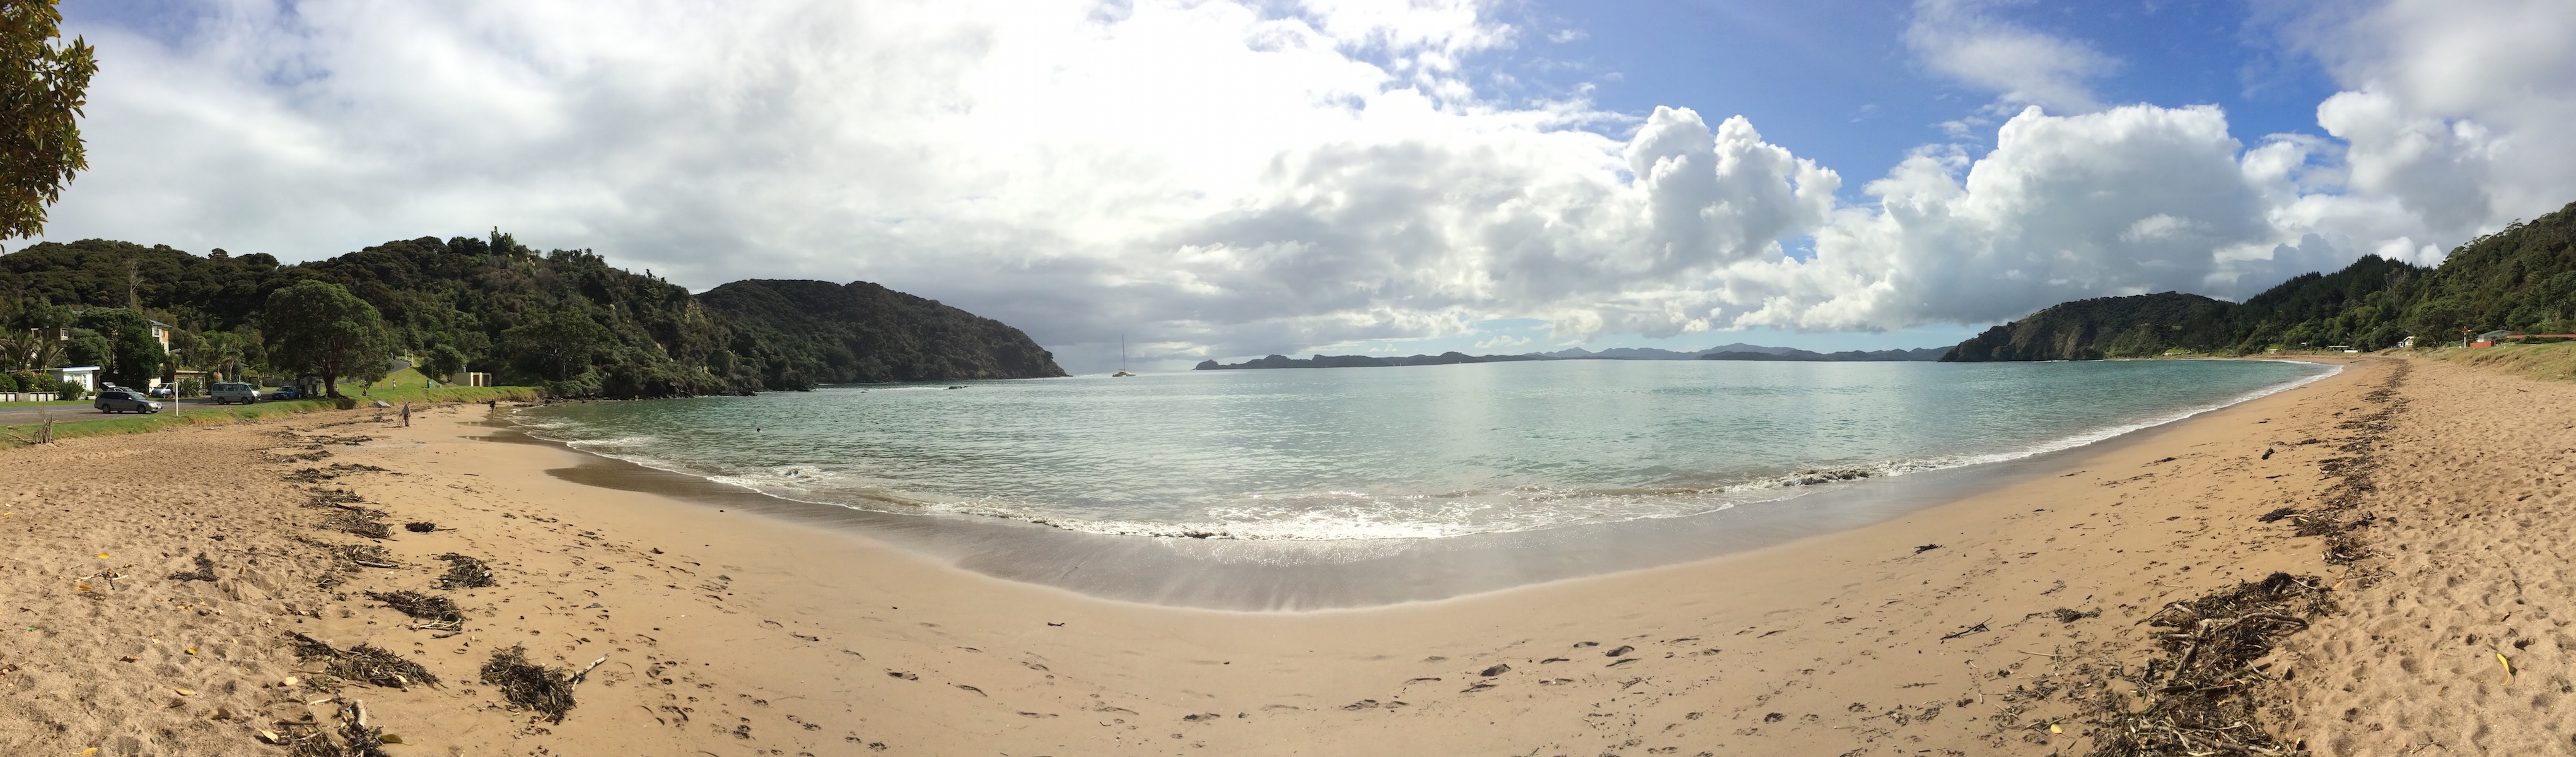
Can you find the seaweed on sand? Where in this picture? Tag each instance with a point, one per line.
(419, 605)
(364, 663)
(464, 573)
(360, 521)
(2204, 699)
(545, 690)
(365, 740)
(304, 740)
(352, 517)
(369, 555)
(2208, 695)
(319, 475)
(347, 558)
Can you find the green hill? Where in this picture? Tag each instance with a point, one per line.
(564, 320)
(2522, 278)
(813, 331)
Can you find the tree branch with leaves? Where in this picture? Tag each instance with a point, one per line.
(42, 91)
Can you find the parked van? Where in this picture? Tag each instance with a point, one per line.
(228, 393)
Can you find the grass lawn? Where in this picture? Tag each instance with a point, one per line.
(196, 415)
(2540, 361)
(402, 379)
(55, 403)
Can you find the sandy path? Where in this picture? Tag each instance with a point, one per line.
(731, 634)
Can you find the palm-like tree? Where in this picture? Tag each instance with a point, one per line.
(218, 353)
(33, 339)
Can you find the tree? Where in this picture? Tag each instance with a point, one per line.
(132, 357)
(34, 337)
(85, 347)
(564, 340)
(443, 362)
(2439, 320)
(41, 94)
(321, 329)
(218, 353)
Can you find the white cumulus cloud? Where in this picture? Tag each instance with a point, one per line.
(1963, 39)
(1221, 178)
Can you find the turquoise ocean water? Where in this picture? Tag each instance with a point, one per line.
(1395, 453)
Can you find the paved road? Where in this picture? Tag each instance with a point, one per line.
(12, 416)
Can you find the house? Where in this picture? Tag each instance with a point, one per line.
(160, 333)
(86, 376)
(2406, 343)
(2490, 338)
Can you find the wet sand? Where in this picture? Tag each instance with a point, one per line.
(729, 629)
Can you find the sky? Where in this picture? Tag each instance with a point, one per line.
(1233, 178)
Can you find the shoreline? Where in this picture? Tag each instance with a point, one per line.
(733, 633)
(1787, 479)
(1302, 575)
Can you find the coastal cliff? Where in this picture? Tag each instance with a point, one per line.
(862, 332)
(2078, 330)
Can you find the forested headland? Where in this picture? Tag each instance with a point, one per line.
(563, 320)
(2521, 279)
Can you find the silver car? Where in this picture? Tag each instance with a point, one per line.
(124, 401)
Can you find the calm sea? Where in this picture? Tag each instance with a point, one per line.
(1395, 453)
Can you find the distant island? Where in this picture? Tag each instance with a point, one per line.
(2521, 279)
(1738, 351)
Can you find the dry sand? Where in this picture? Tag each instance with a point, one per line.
(732, 634)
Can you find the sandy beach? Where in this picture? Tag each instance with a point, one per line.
(1986, 625)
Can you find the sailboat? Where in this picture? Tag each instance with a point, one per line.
(1122, 359)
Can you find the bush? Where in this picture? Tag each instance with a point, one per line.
(71, 390)
(8, 383)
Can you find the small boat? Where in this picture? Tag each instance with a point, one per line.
(1122, 359)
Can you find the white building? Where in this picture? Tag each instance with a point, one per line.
(86, 376)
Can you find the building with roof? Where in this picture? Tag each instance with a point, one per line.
(86, 376)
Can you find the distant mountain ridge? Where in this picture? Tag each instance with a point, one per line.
(2521, 279)
(1650, 353)
(1926, 354)
(1738, 351)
